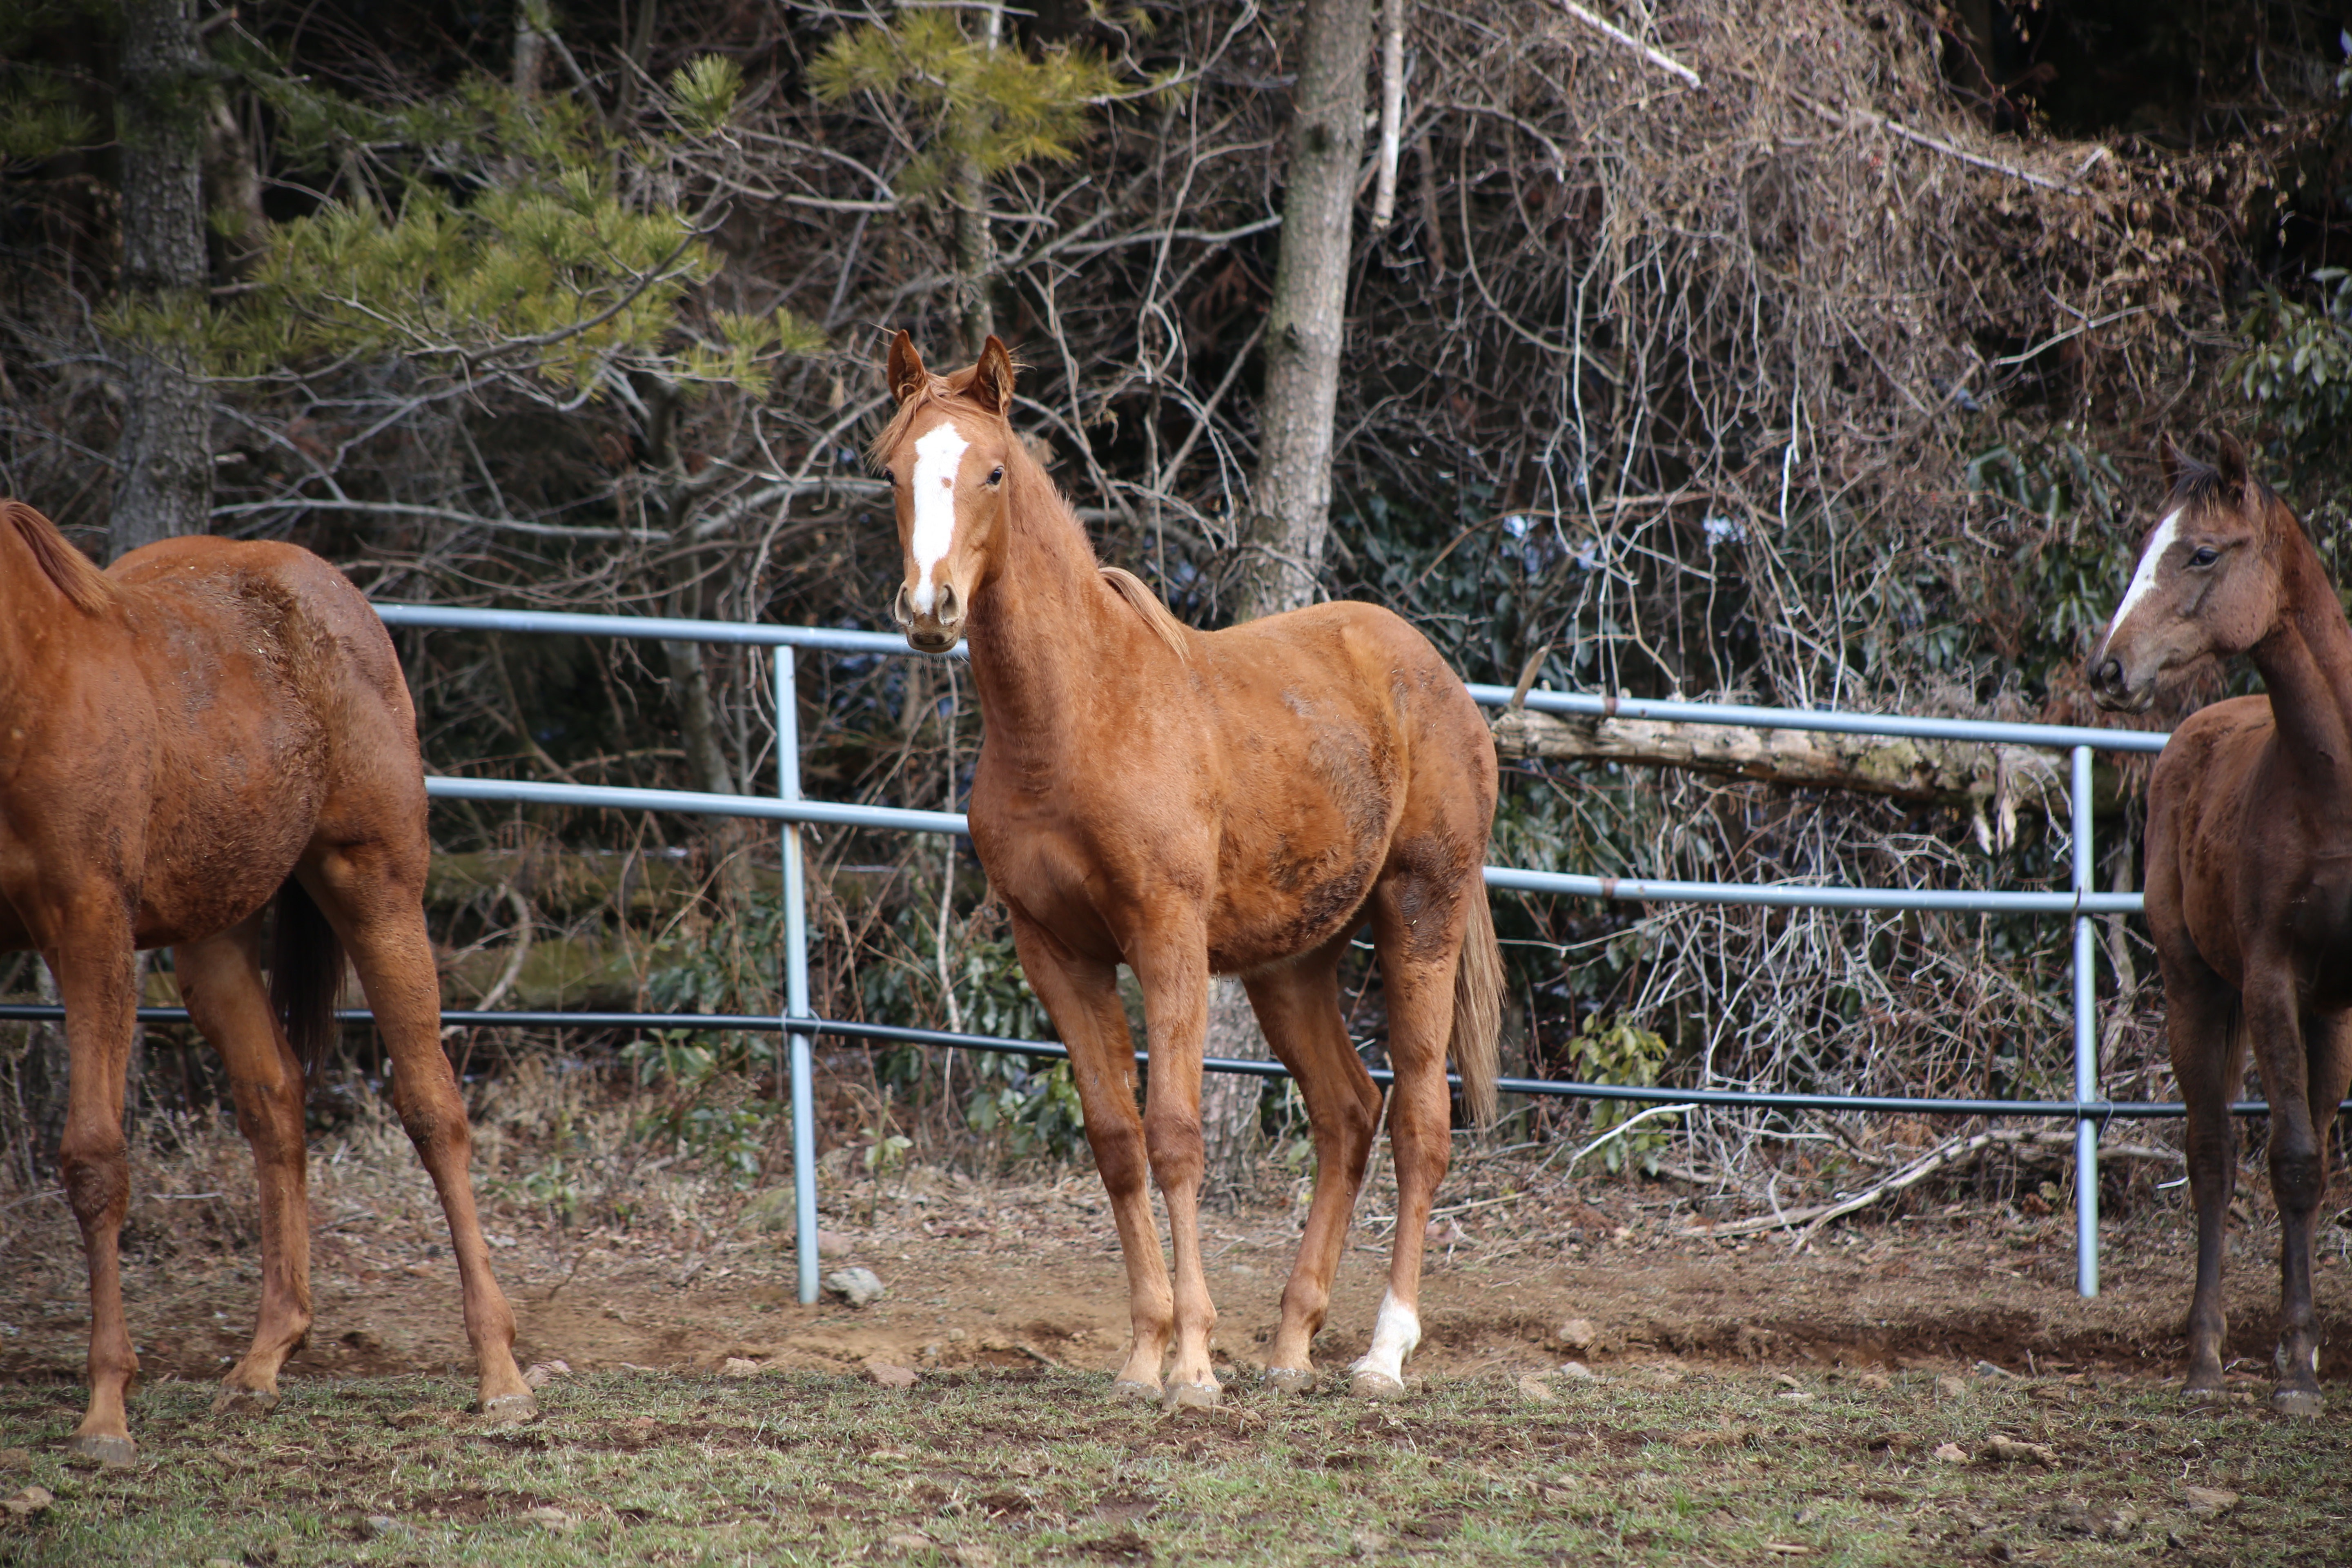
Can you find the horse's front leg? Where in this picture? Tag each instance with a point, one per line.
(93, 964)
(1171, 963)
(220, 979)
(1082, 999)
(2208, 1058)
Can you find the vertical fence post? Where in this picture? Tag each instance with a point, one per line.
(796, 987)
(2086, 1047)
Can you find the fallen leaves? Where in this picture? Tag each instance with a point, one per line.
(28, 1502)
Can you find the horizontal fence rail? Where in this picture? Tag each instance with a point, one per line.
(1004, 1044)
(799, 1027)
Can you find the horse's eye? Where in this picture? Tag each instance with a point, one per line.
(2205, 557)
(996, 476)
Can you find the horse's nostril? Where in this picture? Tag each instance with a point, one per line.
(950, 608)
(899, 611)
(2109, 675)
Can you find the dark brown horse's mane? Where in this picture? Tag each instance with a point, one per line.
(2201, 484)
(74, 573)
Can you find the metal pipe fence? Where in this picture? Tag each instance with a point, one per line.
(800, 1027)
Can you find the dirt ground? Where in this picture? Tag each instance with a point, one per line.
(1008, 1275)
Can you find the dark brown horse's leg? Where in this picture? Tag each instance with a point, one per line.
(2209, 1060)
(220, 979)
(380, 917)
(93, 970)
(1171, 963)
(1082, 999)
(1299, 1006)
(2301, 1075)
(1418, 955)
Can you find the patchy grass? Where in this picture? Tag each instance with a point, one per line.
(1661, 1464)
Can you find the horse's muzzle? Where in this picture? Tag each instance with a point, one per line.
(2111, 689)
(935, 632)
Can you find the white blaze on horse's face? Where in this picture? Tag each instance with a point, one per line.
(2151, 563)
(931, 492)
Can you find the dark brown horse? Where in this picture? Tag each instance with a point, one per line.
(2249, 864)
(1185, 803)
(207, 727)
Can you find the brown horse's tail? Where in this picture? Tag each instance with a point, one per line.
(306, 975)
(1479, 1007)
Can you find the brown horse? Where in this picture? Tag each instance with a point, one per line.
(207, 726)
(1185, 803)
(2249, 864)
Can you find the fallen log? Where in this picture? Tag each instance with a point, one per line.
(1991, 783)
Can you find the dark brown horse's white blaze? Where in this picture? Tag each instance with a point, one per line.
(1185, 803)
(2249, 864)
(206, 727)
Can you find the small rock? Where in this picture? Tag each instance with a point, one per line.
(1366, 1543)
(28, 1502)
(1796, 1395)
(553, 1519)
(772, 1210)
(1999, 1449)
(1785, 1381)
(1987, 1369)
(1951, 1454)
(1535, 1388)
(1578, 1370)
(832, 1244)
(1951, 1387)
(858, 1287)
(957, 1336)
(2208, 1500)
(738, 1366)
(539, 1373)
(1577, 1334)
(973, 1556)
(15, 1458)
(376, 1526)
(909, 1541)
(1875, 1381)
(889, 1374)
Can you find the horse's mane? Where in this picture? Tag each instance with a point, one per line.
(2201, 484)
(1029, 476)
(74, 573)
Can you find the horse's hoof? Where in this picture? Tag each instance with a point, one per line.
(1290, 1379)
(1191, 1397)
(510, 1407)
(237, 1400)
(114, 1453)
(2197, 1396)
(2298, 1402)
(1128, 1388)
(1365, 1383)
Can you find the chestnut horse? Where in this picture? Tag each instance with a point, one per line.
(2249, 864)
(1239, 802)
(205, 727)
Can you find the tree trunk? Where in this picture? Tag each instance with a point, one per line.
(1290, 503)
(165, 485)
(1282, 543)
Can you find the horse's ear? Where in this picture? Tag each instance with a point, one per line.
(2233, 465)
(905, 373)
(992, 378)
(2169, 456)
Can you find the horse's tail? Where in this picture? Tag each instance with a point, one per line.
(306, 975)
(1478, 1006)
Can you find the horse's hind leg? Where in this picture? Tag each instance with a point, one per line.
(2304, 1087)
(374, 901)
(94, 971)
(2208, 1058)
(221, 979)
(1417, 926)
(1299, 1006)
